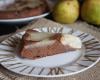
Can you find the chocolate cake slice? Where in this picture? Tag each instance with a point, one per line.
(12, 9)
(41, 44)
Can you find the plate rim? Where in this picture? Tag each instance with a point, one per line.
(26, 18)
(60, 75)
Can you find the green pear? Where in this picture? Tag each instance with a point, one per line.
(66, 11)
(90, 11)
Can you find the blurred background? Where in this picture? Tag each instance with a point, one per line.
(6, 28)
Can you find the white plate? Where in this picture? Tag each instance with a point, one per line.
(63, 64)
(53, 61)
(23, 19)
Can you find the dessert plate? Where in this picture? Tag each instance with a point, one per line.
(59, 65)
(23, 19)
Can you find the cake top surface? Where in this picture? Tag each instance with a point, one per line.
(65, 39)
(12, 5)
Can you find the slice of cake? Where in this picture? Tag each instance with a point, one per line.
(12, 9)
(41, 44)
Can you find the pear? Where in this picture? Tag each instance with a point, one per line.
(90, 11)
(66, 11)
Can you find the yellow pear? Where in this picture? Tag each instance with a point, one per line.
(90, 11)
(66, 11)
